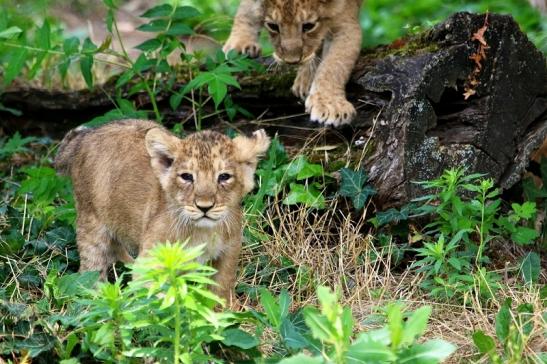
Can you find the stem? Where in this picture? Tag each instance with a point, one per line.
(176, 341)
(481, 230)
(151, 94)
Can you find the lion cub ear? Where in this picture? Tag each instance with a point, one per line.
(248, 151)
(160, 145)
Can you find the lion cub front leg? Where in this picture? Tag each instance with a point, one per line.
(226, 266)
(304, 78)
(327, 101)
(247, 24)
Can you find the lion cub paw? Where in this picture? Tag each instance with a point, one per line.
(329, 109)
(302, 84)
(242, 45)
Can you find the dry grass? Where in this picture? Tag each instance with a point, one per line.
(338, 249)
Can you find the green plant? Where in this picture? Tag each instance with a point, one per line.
(466, 212)
(512, 331)
(302, 181)
(165, 313)
(14, 145)
(29, 49)
(332, 325)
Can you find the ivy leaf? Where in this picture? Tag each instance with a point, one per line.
(354, 186)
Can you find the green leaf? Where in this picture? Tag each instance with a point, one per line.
(395, 324)
(15, 63)
(158, 25)
(524, 235)
(149, 45)
(483, 342)
(415, 326)
(525, 211)
(86, 62)
(531, 267)
(307, 195)
(393, 215)
(320, 327)
(302, 359)
(504, 320)
(271, 308)
(369, 352)
(284, 304)
(185, 12)
(158, 11)
(73, 284)
(42, 41)
(105, 335)
(353, 185)
(218, 90)
(10, 32)
(240, 339)
(302, 169)
(432, 352)
(178, 29)
(292, 338)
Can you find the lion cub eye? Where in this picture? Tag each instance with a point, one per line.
(272, 27)
(223, 177)
(308, 27)
(187, 177)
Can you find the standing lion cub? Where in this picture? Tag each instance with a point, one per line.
(299, 30)
(136, 184)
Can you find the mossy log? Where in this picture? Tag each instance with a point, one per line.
(410, 100)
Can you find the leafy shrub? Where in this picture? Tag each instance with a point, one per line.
(466, 217)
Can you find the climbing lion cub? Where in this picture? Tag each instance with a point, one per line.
(136, 184)
(299, 29)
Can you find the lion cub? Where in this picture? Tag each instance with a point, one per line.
(298, 30)
(136, 184)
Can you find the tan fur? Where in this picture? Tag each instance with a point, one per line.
(130, 192)
(333, 27)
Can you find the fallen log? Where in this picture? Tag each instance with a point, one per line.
(471, 92)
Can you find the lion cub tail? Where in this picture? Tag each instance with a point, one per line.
(68, 148)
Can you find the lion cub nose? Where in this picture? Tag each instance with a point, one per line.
(204, 207)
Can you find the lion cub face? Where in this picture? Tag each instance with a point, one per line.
(296, 27)
(206, 175)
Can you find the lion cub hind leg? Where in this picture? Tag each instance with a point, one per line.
(247, 24)
(96, 246)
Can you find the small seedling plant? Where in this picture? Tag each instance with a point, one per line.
(513, 328)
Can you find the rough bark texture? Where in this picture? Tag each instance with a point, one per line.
(409, 95)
